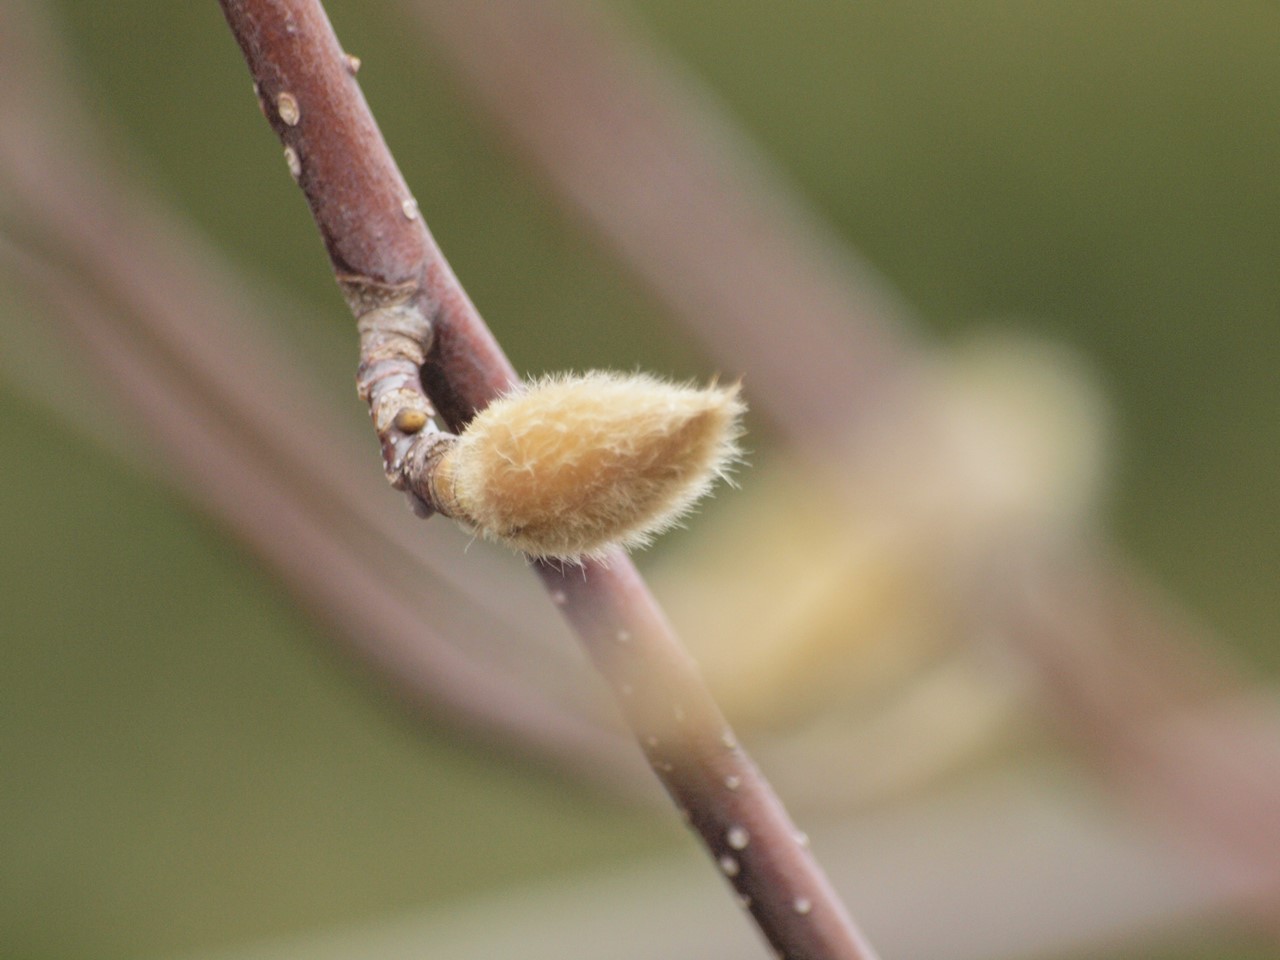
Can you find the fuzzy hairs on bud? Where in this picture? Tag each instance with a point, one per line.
(569, 465)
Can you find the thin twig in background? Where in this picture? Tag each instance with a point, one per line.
(772, 291)
(1185, 741)
(383, 255)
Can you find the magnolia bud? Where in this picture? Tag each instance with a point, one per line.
(570, 465)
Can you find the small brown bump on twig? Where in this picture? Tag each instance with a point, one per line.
(287, 107)
(410, 420)
(353, 63)
(293, 163)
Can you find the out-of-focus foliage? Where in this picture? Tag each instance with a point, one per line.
(184, 766)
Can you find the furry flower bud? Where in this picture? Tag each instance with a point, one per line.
(569, 465)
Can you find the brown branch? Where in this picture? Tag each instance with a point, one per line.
(385, 258)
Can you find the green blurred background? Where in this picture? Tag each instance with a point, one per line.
(183, 763)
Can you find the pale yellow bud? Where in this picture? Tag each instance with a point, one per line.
(570, 465)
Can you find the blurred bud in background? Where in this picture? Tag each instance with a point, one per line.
(835, 607)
